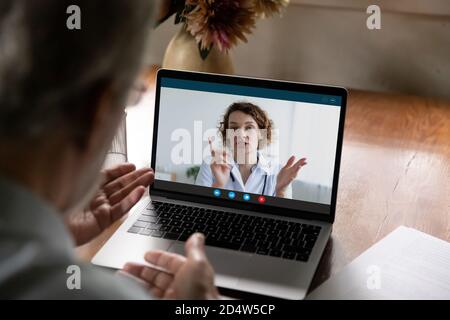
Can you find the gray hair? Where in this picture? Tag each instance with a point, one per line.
(50, 75)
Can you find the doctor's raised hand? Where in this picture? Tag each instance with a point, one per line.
(287, 174)
(220, 167)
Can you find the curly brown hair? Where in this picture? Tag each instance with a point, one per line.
(259, 115)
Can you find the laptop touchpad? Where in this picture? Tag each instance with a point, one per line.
(228, 265)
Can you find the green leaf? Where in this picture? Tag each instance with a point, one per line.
(193, 172)
(179, 17)
(176, 6)
(204, 52)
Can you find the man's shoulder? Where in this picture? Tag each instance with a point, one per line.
(85, 281)
(33, 274)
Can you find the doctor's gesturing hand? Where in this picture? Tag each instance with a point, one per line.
(220, 166)
(287, 174)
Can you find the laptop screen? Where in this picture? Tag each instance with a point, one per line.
(252, 143)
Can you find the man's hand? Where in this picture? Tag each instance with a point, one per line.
(122, 187)
(190, 277)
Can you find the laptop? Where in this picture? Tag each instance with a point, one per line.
(266, 205)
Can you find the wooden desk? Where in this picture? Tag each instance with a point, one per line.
(395, 171)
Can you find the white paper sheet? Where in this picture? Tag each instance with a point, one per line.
(406, 264)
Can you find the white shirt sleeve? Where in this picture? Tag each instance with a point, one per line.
(205, 176)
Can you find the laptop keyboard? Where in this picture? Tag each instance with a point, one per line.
(259, 235)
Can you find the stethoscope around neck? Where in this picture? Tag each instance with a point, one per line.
(264, 185)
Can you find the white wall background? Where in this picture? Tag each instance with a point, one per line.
(327, 41)
(305, 130)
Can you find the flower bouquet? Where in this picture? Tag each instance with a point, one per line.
(219, 23)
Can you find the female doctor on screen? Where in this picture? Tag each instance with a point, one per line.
(245, 169)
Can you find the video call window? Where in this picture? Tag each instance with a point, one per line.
(252, 144)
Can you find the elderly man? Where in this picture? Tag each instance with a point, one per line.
(62, 94)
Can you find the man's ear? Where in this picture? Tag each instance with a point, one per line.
(98, 118)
